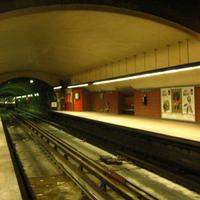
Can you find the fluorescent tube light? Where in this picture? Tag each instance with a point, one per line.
(77, 86)
(57, 87)
(145, 75)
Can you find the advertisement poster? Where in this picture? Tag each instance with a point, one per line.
(166, 100)
(176, 100)
(178, 103)
(188, 101)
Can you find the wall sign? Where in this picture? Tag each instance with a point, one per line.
(54, 104)
(178, 103)
(77, 96)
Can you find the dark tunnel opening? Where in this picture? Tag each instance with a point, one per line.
(27, 94)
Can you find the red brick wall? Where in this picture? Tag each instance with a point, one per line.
(105, 102)
(68, 102)
(78, 103)
(83, 103)
(97, 101)
(112, 100)
(86, 100)
(128, 101)
(153, 107)
(197, 103)
(125, 102)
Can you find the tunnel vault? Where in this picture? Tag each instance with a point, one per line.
(185, 13)
(49, 78)
(33, 36)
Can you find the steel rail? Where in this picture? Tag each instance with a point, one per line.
(115, 181)
(54, 155)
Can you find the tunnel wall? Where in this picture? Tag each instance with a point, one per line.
(51, 79)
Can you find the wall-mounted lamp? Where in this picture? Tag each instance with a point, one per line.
(144, 99)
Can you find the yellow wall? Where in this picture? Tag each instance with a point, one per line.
(182, 52)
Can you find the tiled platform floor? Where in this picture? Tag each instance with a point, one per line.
(9, 189)
(185, 130)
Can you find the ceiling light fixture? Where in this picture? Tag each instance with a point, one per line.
(31, 81)
(57, 87)
(148, 74)
(77, 86)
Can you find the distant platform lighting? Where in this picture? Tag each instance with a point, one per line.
(36, 94)
(79, 85)
(57, 87)
(31, 81)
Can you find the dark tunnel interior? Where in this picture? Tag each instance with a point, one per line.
(27, 94)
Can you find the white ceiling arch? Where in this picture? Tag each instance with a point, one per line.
(66, 40)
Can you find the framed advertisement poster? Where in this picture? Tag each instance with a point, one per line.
(166, 100)
(188, 101)
(178, 103)
(176, 100)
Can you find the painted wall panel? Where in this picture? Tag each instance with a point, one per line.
(194, 51)
(175, 54)
(162, 57)
(150, 60)
(140, 63)
(131, 65)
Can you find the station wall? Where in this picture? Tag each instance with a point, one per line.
(115, 102)
(81, 100)
(152, 106)
(105, 101)
(126, 103)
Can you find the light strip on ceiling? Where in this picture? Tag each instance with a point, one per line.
(145, 75)
(57, 87)
(77, 86)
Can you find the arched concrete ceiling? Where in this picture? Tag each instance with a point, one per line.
(182, 12)
(65, 40)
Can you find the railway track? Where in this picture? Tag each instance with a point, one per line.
(39, 175)
(107, 178)
(173, 158)
(98, 178)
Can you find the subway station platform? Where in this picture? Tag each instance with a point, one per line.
(178, 129)
(9, 189)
